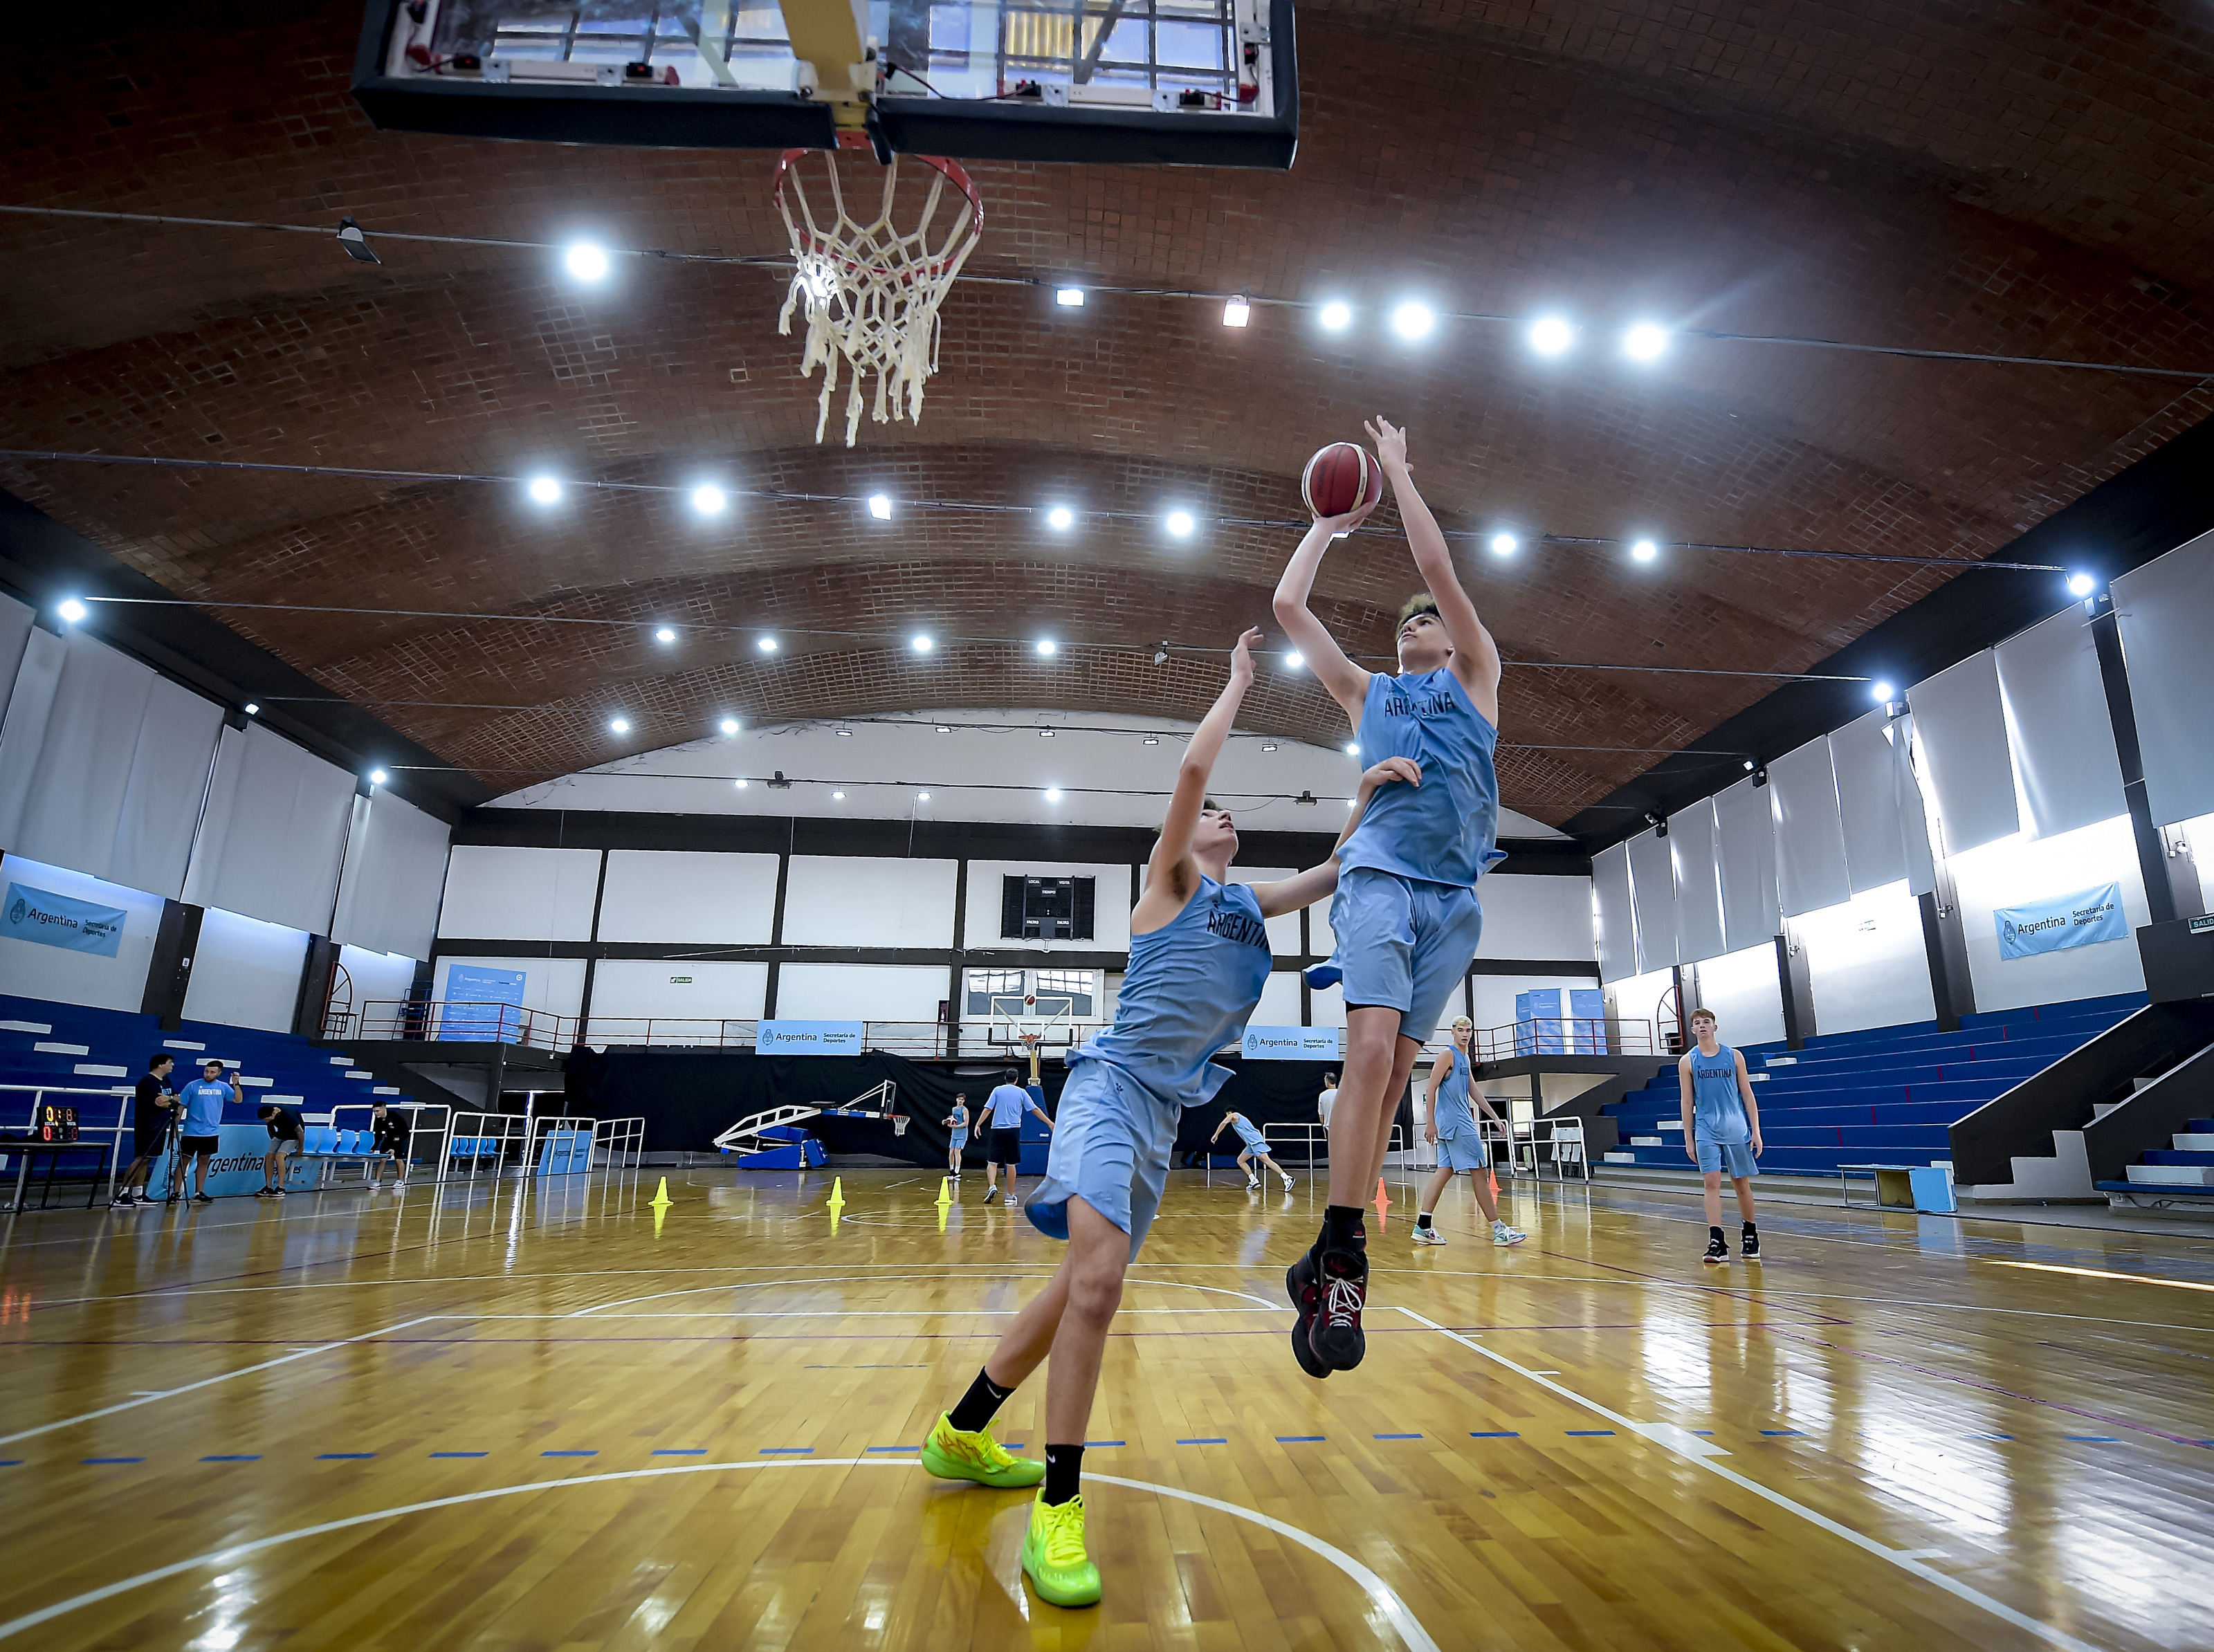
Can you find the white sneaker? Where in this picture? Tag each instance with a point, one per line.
(1428, 1236)
(1252, 1185)
(1502, 1234)
(1288, 1184)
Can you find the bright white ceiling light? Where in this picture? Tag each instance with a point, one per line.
(1045, 734)
(662, 633)
(1645, 342)
(767, 645)
(1293, 662)
(1645, 550)
(1047, 646)
(1413, 321)
(1068, 297)
(1505, 544)
(1150, 740)
(923, 797)
(1881, 691)
(838, 796)
(377, 777)
(1352, 749)
(921, 642)
(843, 732)
(544, 490)
(943, 729)
(253, 710)
(71, 610)
(880, 507)
(741, 782)
(1550, 335)
(1236, 312)
(1268, 745)
(1181, 522)
(730, 725)
(1336, 317)
(619, 724)
(1061, 516)
(586, 260)
(709, 500)
(1052, 794)
(2081, 585)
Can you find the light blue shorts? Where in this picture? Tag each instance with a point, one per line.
(1463, 1150)
(1404, 945)
(1112, 1144)
(960, 1140)
(1254, 1143)
(1712, 1154)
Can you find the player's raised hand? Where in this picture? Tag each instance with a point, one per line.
(1393, 769)
(1341, 526)
(1241, 657)
(1390, 441)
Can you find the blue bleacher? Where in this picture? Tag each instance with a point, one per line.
(1885, 1094)
(108, 1050)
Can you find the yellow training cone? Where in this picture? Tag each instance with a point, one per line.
(945, 1191)
(661, 1201)
(837, 1199)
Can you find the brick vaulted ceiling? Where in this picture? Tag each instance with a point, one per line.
(2029, 179)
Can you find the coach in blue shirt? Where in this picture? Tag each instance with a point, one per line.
(1004, 1106)
(204, 1100)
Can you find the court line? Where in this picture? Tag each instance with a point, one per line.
(1383, 1601)
(1661, 1434)
(758, 1284)
(205, 1382)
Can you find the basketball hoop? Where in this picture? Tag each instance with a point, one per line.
(871, 292)
(899, 1124)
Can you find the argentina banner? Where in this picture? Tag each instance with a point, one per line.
(51, 920)
(2084, 919)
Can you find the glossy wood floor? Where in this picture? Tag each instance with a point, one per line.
(533, 1417)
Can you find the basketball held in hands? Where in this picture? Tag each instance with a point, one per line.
(1341, 479)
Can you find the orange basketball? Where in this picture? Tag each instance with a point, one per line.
(1341, 478)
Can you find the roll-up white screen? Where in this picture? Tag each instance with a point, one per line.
(1868, 802)
(2165, 609)
(1617, 931)
(2057, 724)
(162, 800)
(1913, 819)
(1962, 728)
(1810, 835)
(275, 828)
(1699, 888)
(1745, 848)
(389, 897)
(23, 736)
(1652, 889)
(14, 636)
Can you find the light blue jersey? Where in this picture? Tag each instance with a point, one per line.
(1442, 831)
(204, 1100)
(1006, 1105)
(1717, 1109)
(1254, 1141)
(1452, 1114)
(1190, 987)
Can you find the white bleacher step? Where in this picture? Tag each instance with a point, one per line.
(385, 1090)
(181, 1044)
(1668, 1123)
(258, 1083)
(1759, 1078)
(38, 1027)
(2193, 1143)
(1622, 1159)
(355, 1073)
(2101, 1108)
(1647, 1141)
(64, 1049)
(341, 1060)
(94, 1070)
(1782, 1061)
(293, 1101)
(2172, 1175)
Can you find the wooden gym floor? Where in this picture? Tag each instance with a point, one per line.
(535, 1417)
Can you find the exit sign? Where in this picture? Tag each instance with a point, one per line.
(680, 980)
(2203, 926)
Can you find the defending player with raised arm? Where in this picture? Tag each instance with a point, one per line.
(1405, 913)
(1198, 956)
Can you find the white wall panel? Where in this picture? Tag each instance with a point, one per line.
(1110, 898)
(2015, 870)
(395, 875)
(1745, 850)
(859, 992)
(1653, 893)
(274, 832)
(1639, 997)
(857, 901)
(1280, 1001)
(1866, 964)
(1535, 917)
(1868, 802)
(30, 970)
(627, 991)
(1743, 990)
(1618, 928)
(554, 985)
(1327, 1007)
(376, 977)
(1810, 834)
(684, 895)
(2166, 612)
(502, 894)
(2057, 722)
(1284, 927)
(246, 973)
(1959, 727)
(1698, 882)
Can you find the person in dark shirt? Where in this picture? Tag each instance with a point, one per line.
(152, 1109)
(389, 1134)
(286, 1139)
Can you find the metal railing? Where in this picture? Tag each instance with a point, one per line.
(419, 1134)
(408, 1020)
(89, 1136)
(1564, 1035)
(624, 1136)
(537, 1158)
(478, 1137)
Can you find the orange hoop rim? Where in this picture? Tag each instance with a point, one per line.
(952, 170)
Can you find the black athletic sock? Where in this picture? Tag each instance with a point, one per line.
(1422, 1218)
(1751, 1231)
(1341, 1229)
(980, 1404)
(1715, 1234)
(1063, 1464)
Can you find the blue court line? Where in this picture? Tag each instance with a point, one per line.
(460, 1453)
(1396, 1436)
(1990, 1436)
(1089, 1444)
(568, 1453)
(680, 1450)
(1783, 1434)
(1588, 1431)
(1295, 1438)
(230, 1459)
(896, 1448)
(1499, 1433)
(1211, 1442)
(343, 1456)
(112, 1459)
(1704, 1433)
(785, 1451)
(2093, 1439)
(11, 1462)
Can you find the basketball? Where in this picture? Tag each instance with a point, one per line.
(1340, 479)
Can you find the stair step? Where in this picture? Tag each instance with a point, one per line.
(2172, 1175)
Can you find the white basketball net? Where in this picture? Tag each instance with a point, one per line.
(871, 292)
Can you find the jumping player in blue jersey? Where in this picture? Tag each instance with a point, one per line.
(1722, 1128)
(1405, 912)
(1198, 956)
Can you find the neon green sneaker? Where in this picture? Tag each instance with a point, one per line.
(952, 1455)
(1053, 1554)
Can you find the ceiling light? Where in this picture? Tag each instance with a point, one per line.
(544, 490)
(1881, 691)
(1645, 550)
(355, 243)
(1336, 317)
(837, 797)
(1550, 335)
(1350, 802)
(1645, 342)
(880, 507)
(377, 777)
(1048, 646)
(1351, 749)
(943, 729)
(921, 642)
(1045, 734)
(1268, 745)
(730, 725)
(1293, 661)
(1236, 312)
(2081, 585)
(1413, 321)
(252, 709)
(1061, 516)
(767, 645)
(586, 261)
(1505, 544)
(1749, 765)
(71, 610)
(619, 724)
(1150, 740)
(664, 634)
(1181, 522)
(708, 500)
(1068, 297)
(843, 732)
(1052, 794)
(740, 782)
(923, 797)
